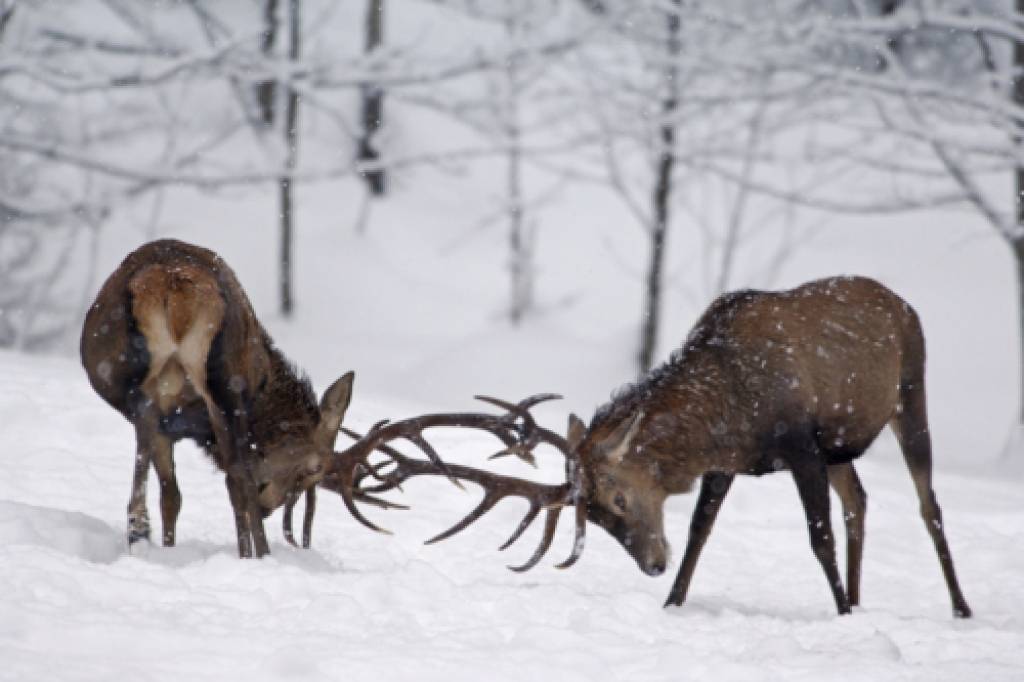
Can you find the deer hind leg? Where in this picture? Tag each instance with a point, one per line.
(138, 516)
(811, 478)
(147, 443)
(911, 427)
(235, 459)
(846, 483)
(713, 488)
(170, 494)
(230, 432)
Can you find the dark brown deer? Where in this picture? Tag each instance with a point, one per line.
(172, 343)
(801, 380)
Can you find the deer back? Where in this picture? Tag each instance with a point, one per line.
(172, 292)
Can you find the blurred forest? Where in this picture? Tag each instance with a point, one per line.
(782, 110)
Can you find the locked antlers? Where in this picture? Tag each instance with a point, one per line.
(520, 433)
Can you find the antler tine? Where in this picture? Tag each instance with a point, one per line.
(420, 442)
(580, 535)
(519, 451)
(377, 501)
(370, 469)
(512, 408)
(523, 525)
(342, 481)
(531, 433)
(307, 517)
(524, 404)
(550, 524)
(485, 506)
(537, 399)
(527, 431)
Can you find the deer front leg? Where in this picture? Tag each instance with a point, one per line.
(239, 505)
(812, 483)
(238, 460)
(846, 483)
(255, 513)
(247, 461)
(248, 515)
(713, 488)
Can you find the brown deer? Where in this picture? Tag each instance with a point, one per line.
(172, 343)
(801, 380)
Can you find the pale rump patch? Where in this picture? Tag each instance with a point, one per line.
(179, 311)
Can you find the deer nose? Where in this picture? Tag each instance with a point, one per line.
(655, 569)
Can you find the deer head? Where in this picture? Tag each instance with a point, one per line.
(294, 457)
(622, 491)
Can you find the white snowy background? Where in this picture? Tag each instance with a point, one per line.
(414, 303)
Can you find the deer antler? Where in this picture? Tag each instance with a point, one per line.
(516, 429)
(307, 517)
(552, 498)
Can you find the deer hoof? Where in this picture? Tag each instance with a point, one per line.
(138, 529)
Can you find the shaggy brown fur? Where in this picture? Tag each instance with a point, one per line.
(801, 380)
(172, 343)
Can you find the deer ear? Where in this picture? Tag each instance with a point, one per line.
(333, 405)
(616, 445)
(577, 429)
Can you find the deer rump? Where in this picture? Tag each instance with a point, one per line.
(831, 360)
(157, 334)
(178, 313)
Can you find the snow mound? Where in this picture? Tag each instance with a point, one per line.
(70, 533)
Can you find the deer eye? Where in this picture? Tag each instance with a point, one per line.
(620, 502)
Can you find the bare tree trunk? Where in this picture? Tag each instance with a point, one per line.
(6, 13)
(520, 241)
(1017, 243)
(730, 246)
(372, 101)
(1018, 253)
(520, 265)
(291, 117)
(661, 199)
(265, 91)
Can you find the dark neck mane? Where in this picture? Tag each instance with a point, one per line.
(286, 404)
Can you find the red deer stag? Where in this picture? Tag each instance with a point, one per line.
(172, 343)
(801, 380)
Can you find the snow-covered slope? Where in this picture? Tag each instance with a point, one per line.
(75, 605)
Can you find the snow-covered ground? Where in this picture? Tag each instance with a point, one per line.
(75, 605)
(414, 305)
